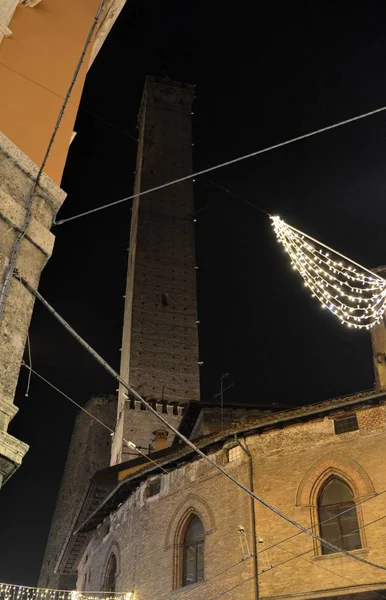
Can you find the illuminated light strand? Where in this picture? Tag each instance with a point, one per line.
(330, 302)
(300, 264)
(348, 292)
(20, 592)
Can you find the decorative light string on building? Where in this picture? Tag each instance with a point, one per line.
(19, 592)
(355, 295)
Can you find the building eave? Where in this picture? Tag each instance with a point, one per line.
(172, 458)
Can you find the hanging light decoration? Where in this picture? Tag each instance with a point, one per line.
(355, 295)
(21, 592)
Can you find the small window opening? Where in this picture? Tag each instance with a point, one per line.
(346, 424)
(153, 488)
(165, 299)
(110, 575)
(234, 454)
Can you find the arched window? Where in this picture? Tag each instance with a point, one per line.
(193, 552)
(110, 575)
(339, 529)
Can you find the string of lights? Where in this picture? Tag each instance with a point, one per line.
(186, 440)
(9, 591)
(128, 443)
(225, 164)
(355, 295)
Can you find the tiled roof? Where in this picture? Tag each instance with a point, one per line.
(172, 456)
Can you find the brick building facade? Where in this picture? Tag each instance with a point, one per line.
(294, 455)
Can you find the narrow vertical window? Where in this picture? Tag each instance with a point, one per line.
(193, 552)
(165, 299)
(342, 530)
(110, 575)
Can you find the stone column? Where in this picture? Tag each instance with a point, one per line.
(17, 173)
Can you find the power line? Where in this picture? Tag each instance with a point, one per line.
(225, 164)
(309, 551)
(293, 558)
(28, 213)
(197, 450)
(211, 579)
(78, 106)
(127, 442)
(228, 191)
(325, 568)
(326, 521)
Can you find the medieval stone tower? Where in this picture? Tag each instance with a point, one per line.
(159, 355)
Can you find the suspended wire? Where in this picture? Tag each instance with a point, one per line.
(77, 106)
(290, 537)
(30, 366)
(188, 442)
(186, 592)
(309, 551)
(231, 193)
(112, 432)
(224, 164)
(28, 210)
(317, 564)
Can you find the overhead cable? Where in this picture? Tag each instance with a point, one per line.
(197, 450)
(128, 443)
(225, 164)
(28, 205)
(290, 537)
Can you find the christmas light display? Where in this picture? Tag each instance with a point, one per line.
(355, 295)
(20, 592)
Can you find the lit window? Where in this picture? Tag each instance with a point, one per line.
(110, 575)
(234, 453)
(346, 424)
(340, 529)
(193, 553)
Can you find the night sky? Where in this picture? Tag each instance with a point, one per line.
(261, 78)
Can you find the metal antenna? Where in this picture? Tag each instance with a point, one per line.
(222, 398)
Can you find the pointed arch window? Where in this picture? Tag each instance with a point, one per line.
(193, 552)
(342, 530)
(110, 575)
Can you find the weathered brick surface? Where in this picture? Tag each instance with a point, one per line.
(289, 466)
(89, 451)
(160, 342)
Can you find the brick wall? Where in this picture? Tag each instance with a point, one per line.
(290, 465)
(88, 452)
(160, 341)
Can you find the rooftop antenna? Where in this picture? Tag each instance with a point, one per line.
(222, 398)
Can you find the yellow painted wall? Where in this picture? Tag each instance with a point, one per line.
(36, 66)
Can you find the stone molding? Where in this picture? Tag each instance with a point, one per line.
(193, 504)
(342, 466)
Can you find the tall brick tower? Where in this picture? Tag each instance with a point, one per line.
(160, 342)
